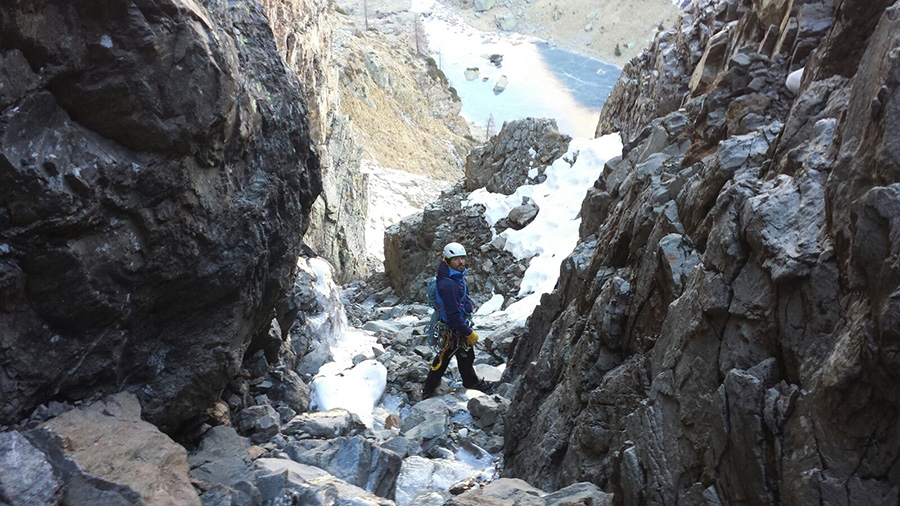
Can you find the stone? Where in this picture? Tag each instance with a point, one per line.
(157, 285)
(324, 424)
(579, 493)
(678, 259)
(352, 459)
(505, 23)
(397, 444)
(502, 491)
(424, 410)
(222, 458)
(430, 428)
(501, 84)
(742, 153)
(785, 225)
(376, 69)
(712, 62)
(520, 216)
(286, 480)
(259, 422)
(746, 462)
(288, 388)
(483, 5)
(487, 410)
(385, 328)
(108, 441)
(27, 477)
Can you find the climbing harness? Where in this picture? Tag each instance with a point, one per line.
(434, 332)
(441, 339)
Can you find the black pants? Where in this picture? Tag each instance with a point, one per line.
(465, 358)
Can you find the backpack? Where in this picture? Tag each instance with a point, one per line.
(432, 293)
(434, 331)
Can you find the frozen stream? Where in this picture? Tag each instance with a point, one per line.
(543, 81)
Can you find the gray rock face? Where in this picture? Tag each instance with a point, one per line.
(304, 38)
(503, 164)
(725, 333)
(156, 176)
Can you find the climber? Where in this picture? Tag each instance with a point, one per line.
(456, 309)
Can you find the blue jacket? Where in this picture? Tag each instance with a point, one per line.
(453, 299)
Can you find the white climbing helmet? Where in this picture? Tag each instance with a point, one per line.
(453, 250)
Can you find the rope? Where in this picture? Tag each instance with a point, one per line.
(443, 354)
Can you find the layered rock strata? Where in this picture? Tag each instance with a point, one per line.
(733, 339)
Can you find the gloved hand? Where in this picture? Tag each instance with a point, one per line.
(472, 338)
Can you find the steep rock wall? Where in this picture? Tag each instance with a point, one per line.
(734, 338)
(304, 34)
(156, 178)
(373, 99)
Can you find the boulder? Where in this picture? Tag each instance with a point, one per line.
(259, 422)
(506, 23)
(27, 477)
(483, 5)
(488, 411)
(520, 216)
(501, 84)
(223, 467)
(289, 482)
(324, 424)
(428, 480)
(503, 491)
(352, 459)
(108, 455)
(180, 174)
(514, 491)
